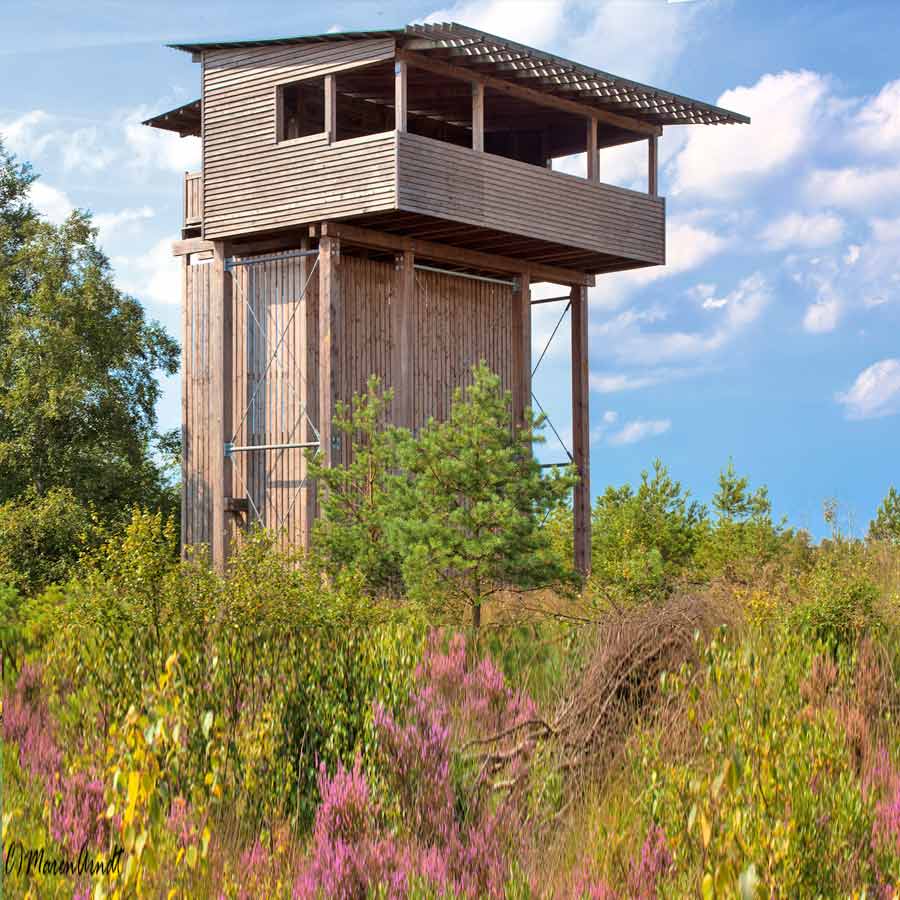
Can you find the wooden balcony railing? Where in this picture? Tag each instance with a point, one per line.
(193, 199)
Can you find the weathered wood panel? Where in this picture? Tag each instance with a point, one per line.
(253, 183)
(447, 324)
(439, 179)
(193, 198)
(196, 519)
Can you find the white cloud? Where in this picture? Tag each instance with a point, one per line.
(796, 229)
(823, 315)
(722, 161)
(156, 276)
(537, 23)
(851, 257)
(638, 430)
(26, 136)
(877, 124)
(126, 221)
(157, 148)
(634, 344)
(50, 202)
(874, 393)
(86, 150)
(854, 187)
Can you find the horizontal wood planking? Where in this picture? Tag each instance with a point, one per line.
(252, 183)
(457, 183)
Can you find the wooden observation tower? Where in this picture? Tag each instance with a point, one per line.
(381, 202)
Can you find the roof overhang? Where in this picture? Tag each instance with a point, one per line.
(525, 66)
(185, 120)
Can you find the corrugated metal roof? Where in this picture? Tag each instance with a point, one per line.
(525, 66)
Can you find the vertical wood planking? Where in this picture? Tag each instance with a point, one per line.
(477, 116)
(521, 346)
(400, 89)
(581, 431)
(220, 396)
(593, 154)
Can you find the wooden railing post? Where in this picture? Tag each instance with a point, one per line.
(593, 154)
(400, 95)
(652, 166)
(477, 116)
(331, 107)
(581, 431)
(221, 402)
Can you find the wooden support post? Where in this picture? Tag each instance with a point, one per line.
(329, 311)
(402, 311)
(652, 166)
(307, 498)
(400, 95)
(581, 430)
(331, 107)
(521, 338)
(593, 154)
(221, 403)
(477, 116)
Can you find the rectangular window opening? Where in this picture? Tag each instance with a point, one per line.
(301, 108)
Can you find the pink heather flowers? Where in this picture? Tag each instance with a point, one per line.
(352, 849)
(76, 817)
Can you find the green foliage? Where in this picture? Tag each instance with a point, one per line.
(743, 536)
(454, 515)
(841, 605)
(477, 501)
(42, 537)
(78, 361)
(886, 524)
(287, 666)
(360, 500)
(773, 800)
(643, 540)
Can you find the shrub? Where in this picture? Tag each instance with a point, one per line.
(643, 540)
(841, 605)
(42, 537)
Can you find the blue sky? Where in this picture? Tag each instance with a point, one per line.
(772, 335)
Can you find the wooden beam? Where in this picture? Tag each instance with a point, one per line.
(525, 93)
(400, 102)
(581, 501)
(402, 309)
(329, 311)
(221, 403)
(367, 237)
(477, 116)
(593, 154)
(190, 245)
(521, 341)
(331, 107)
(652, 166)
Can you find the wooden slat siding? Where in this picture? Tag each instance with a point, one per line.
(439, 179)
(193, 198)
(252, 183)
(581, 501)
(197, 506)
(456, 323)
